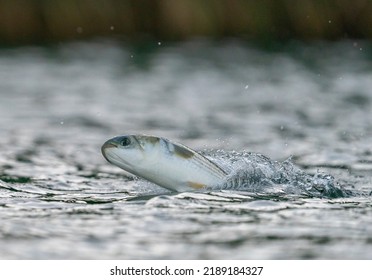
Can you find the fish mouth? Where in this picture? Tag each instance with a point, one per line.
(105, 146)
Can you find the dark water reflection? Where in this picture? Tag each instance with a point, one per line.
(60, 199)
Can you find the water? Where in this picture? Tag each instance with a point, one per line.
(306, 107)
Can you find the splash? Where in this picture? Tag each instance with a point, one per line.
(256, 173)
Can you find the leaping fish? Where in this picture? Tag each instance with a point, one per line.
(165, 163)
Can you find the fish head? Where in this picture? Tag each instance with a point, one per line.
(130, 152)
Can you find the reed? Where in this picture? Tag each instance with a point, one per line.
(33, 21)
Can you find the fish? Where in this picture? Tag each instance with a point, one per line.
(163, 162)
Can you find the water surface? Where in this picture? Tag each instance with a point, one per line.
(59, 198)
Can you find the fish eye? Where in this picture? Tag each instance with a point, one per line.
(125, 141)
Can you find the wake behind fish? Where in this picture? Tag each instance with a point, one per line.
(256, 173)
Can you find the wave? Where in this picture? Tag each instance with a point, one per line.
(257, 173)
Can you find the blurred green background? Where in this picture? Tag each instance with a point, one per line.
(40, 21)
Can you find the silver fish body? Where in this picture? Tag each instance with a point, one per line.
(165, 163)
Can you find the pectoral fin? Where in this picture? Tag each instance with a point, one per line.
(195, 185)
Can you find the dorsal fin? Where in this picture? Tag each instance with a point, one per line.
(182, 151)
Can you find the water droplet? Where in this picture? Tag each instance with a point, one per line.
(62, 122)
(246, 86)
(159, 43)
(330, 21)
(79, 29)
(112, 27)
